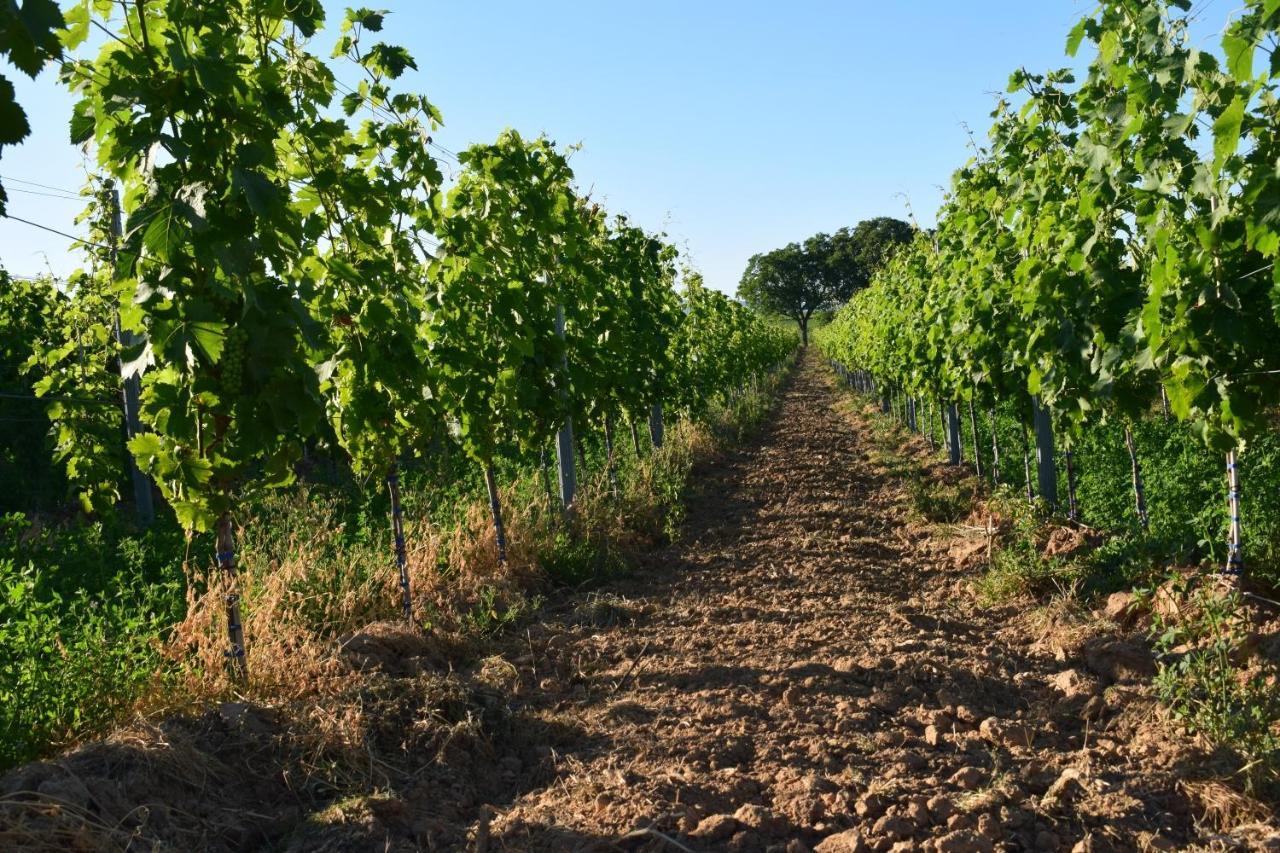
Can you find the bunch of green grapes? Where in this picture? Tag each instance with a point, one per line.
(233, 360)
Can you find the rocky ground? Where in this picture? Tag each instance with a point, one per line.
(806, 669)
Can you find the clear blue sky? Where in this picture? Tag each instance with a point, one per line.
(734, 126)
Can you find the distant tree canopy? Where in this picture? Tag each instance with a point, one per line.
(822, 272)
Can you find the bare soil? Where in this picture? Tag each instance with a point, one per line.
(806, 668)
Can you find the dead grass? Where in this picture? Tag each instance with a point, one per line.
(293, 622)
(343, 695)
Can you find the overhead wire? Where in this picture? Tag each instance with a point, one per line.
(35, 183)
(74, 195)
(386, 114)
(60, 233)
(44, 194)
(53, 398)
(12, 179)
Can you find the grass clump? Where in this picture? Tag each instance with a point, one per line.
(1039, 556)
(99, 621)
(939, 502)
(1213, 673)
(1210, 677)
(84, 613)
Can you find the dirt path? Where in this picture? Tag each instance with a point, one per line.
(804, 665)
(806, 669)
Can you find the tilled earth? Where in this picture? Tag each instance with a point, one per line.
(806, 669)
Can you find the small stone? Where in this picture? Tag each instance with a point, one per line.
(1004, 733)
(761, 819)
(962, 841)
(1157, 841)
(1120, 660)
(1047, 842)
(1066, 790)
(746, 841)
(894, 827)
(1070, 682)
(968, 778)
(870, 806)
(68, 790)
(944, 720)
(886, 701)
(1119, 608)
(918, 812)
(233, 713)
(849, 841)
(890, 738)
(716, 827)
(940, 808)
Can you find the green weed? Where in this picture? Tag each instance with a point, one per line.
(941, 503)
(1209, 680)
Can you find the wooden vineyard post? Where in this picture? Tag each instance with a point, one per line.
(1139, 493)
(942, 420)
(237, 658)
(545, 466)
(912, 424)
(608, 454)
(397, 531)
(1026, 463)
(1046, 471)
(995, 450)
(655, 425)
(1234, 569)
(954, 456)
(1073, 508)
(977, 453)
(635, 435)
(132, 387)
(495, 508)
(568, 475)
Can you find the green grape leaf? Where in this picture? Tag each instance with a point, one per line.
(1226, 132)
(1239, 50)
